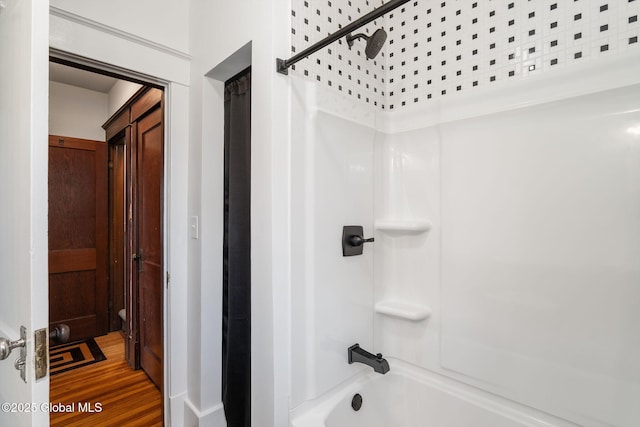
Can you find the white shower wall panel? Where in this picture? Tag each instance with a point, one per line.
(332, 295)
(540, 255)
(406, 269)
(530, 267)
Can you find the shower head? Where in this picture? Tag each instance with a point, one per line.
(374, 42)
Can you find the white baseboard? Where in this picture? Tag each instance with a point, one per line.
(211, 417)
(174, 410)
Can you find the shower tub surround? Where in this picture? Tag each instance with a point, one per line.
(493, 151)
(506, 255)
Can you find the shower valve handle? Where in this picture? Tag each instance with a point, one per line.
(352, 240)
(357, 240)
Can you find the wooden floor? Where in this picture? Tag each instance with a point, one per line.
(127, 397)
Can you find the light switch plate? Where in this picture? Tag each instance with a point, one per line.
(195, 227)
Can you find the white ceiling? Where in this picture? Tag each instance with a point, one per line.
(80, 78)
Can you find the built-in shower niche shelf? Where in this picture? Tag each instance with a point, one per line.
(403, 310)
(403, 226)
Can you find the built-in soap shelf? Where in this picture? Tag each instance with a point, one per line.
(403, 310)
(409, 226)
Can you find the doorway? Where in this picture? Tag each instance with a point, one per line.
(116, 178)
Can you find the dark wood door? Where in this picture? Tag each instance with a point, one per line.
(117, 231)
(148, 198)
(78, 210)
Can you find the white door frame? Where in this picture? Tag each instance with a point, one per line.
(85, 42)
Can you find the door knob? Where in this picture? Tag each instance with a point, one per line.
(6, 346)
(138, 258)
(60, 334)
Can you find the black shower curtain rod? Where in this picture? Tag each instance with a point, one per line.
(282, 65)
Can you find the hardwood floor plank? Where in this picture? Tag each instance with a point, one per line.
(127, 397)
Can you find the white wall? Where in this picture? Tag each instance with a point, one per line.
(163, 22)
(77, 112)
(218, 30)
(120, 93)
(80, 113)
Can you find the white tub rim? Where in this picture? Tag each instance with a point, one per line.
(315, 412)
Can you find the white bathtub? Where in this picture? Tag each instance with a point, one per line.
(412, 397)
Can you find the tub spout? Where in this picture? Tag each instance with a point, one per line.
(376, 361)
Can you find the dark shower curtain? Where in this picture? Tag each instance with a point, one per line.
(236, 311)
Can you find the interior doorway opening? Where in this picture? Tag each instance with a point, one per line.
(106, 187)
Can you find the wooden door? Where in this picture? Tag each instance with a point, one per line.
(148, 202)
(78, 209)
